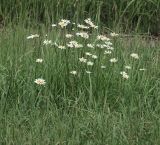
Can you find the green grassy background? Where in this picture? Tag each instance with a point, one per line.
(121, 15)
(96, 109)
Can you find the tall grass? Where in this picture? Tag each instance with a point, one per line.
(127, 15)
(98, 108)
(86, 109)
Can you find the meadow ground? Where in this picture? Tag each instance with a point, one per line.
(78, 89)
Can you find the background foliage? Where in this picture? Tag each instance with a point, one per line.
(123, 15)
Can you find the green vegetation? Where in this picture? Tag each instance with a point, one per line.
(105, 95)
(121, 15)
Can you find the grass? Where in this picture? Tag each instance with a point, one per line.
(85, 109)
(123, 16)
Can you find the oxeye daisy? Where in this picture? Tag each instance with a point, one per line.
(94, 56)
(135, 56)
(110, 48)
(88, 21)
(103, 66)
(33, 36)
(107, 52)
(82, 26)
(114, 34)
(46, 42)
(108, 43)
(61, 47)
(69, 35)
(113, 60)
(102, 37)
(90, 46)
(63, 23)
(82, 59)
(88, 53)
(74, 72)
(127, 67)
(124, 75)
(83, 35)
(88, 72)
(40, 81)
(54, 25)
(39, 60)
(74, 44)
(142, 69)
(90, 63)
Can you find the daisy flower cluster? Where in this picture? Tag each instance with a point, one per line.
(92, 48)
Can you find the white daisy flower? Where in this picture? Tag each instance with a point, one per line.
(39, 60)
(113, 60)
(108, 43)
(114, 34)
(82, 59)
(88, 72)
(90, 46)
(90, 63)
(103, 38)
(63, 23)
(110, 48)
(70, 45)
(46, 42)
(33, 36)
(142, 69)
(124, 75)
(40, 81)
(74, 72)
(54, 25)
(88, 21)
(88, 54)
(135, 55)
(123, 72)
(82, 26)
(74, 44)
(56, 44)
(94, 56)
(83, 35)
(127, 67)
(107, 52)
(103, 66)
(69, 35)
(100, 46)
(61, 47)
